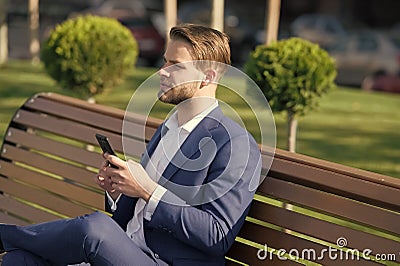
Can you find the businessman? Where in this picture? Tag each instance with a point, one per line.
(186, 201)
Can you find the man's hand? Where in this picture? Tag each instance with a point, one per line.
(104, 181)
(129, 178)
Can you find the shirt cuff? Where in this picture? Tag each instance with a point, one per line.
(112, 203)
(153, 202)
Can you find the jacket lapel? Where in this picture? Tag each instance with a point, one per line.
(193, 144)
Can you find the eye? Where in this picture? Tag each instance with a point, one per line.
(180, 66)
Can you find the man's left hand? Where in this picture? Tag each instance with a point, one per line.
(129, 178)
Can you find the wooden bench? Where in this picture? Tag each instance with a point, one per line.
(304, 207)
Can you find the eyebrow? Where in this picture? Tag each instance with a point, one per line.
(172, 61)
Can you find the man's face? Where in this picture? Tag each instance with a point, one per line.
(179, 79)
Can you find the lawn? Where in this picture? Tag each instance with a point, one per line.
(351, 127)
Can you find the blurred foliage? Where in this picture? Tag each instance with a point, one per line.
(292, 74)
(89, 54)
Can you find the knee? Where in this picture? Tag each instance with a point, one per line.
(21, 257)
(97, 230)
(96, 226)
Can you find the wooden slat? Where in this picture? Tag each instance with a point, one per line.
(307, 161)
(42, 198)
(336, 183)
(280, 240)
(71, 112)
(54, 147)
(68, 190)
(137, 131)
(28, 212)
(244, 254)
(65, 150)
(76, 131)
(328, 203)
(7, 219)
(322, 229)
(65, 170)
(97, 116)
(65, 128)
(108, 110)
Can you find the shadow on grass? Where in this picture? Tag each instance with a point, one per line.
(371, 150)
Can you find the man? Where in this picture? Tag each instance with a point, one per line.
(187, 200)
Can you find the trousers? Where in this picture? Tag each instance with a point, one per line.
(94, 238)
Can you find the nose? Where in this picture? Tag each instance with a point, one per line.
(163, 73)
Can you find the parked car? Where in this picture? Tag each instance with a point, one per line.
(394, 33)
(386, 83)
(133, 15)
(151, 43)
(318, 28)
(364, 55)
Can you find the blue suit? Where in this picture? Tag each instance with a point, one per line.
(205, 205)
(203, 233)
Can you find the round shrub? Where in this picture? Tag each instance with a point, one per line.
(292, 74)
(88, 54)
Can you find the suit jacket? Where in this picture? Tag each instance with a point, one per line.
(208, 193)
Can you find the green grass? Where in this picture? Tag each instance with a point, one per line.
(351, 127)
(355, 128)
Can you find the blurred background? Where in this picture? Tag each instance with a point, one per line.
(362, 35)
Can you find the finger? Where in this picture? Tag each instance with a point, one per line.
(102, 172)
(102, 169)
(100, 181)
(105, 154)
(114, 160)
(115, 187)
(104, 164)
(110, 172)
(116, 180)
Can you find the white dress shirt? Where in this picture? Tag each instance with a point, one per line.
(163, 154)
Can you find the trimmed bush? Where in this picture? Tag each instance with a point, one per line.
(293, 74)
(89, 54)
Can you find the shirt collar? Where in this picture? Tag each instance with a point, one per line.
(172, 122)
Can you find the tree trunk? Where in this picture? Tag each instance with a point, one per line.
(292, 130)
(170, 11)
(34, 46)
(217, 15)
(91, 99)
(273, 10)
(3, 32)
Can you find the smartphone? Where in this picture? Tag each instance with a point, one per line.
(105, 145)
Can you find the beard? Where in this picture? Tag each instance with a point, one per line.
(177, 94)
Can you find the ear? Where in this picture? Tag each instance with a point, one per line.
(209, 76)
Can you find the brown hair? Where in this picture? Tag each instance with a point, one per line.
(208, 44)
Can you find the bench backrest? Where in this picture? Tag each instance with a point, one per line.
(50, 157)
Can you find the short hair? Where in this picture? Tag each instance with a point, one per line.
(208, 43)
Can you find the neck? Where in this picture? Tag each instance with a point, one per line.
(192, 107)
